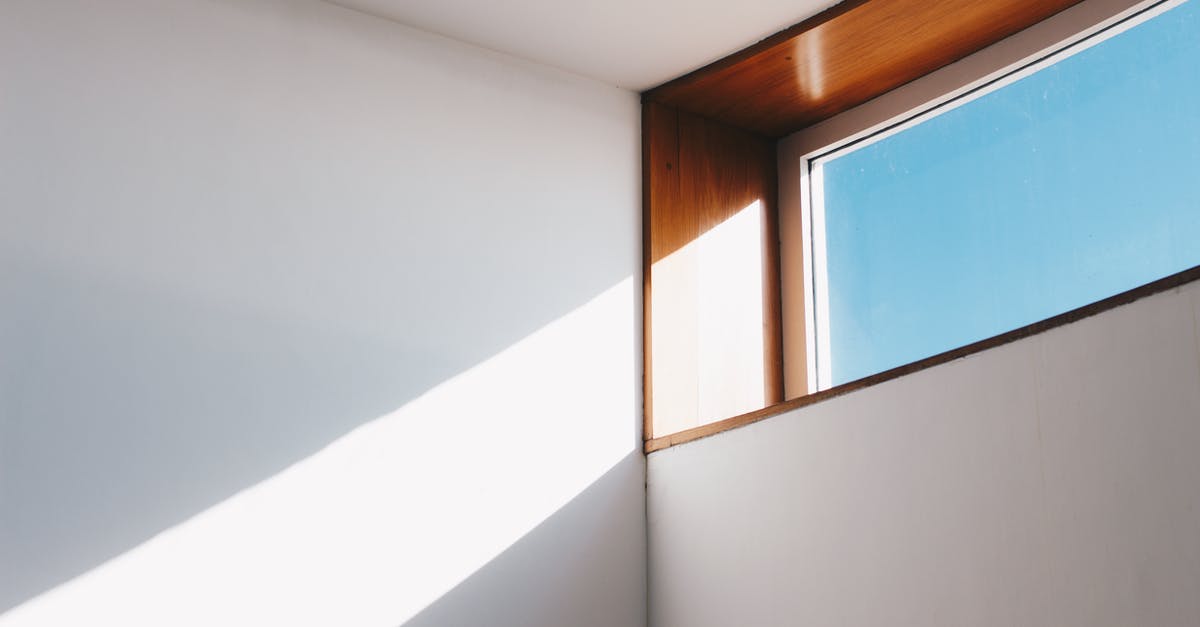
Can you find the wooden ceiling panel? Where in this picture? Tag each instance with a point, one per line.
(844, 57)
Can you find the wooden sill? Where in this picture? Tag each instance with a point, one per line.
(1162, 285)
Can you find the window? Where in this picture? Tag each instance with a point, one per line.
(916, 196)
(1068, 180)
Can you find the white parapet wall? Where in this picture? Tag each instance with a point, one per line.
(1051, 481)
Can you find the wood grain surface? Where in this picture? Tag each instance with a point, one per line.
(843, 57)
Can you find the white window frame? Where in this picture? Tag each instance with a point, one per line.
(818, 357)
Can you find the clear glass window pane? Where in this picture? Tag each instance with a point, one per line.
(1064, 187)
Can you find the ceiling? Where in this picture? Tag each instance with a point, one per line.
(634, 44)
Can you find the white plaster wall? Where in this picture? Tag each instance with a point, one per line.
(310, 318)
(1052, 481)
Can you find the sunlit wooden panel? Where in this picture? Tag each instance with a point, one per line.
(712, 307)
(843, 57)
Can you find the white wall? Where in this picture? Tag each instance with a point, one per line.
(1052, 481)
(310, 318)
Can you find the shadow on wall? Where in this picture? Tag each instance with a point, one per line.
(129, 410)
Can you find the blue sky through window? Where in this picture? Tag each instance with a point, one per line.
(1067, 186)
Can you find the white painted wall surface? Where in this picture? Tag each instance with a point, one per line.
(307, 318)
(1048, 482)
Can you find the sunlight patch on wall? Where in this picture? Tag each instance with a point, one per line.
(384, 521)
(708, 336)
